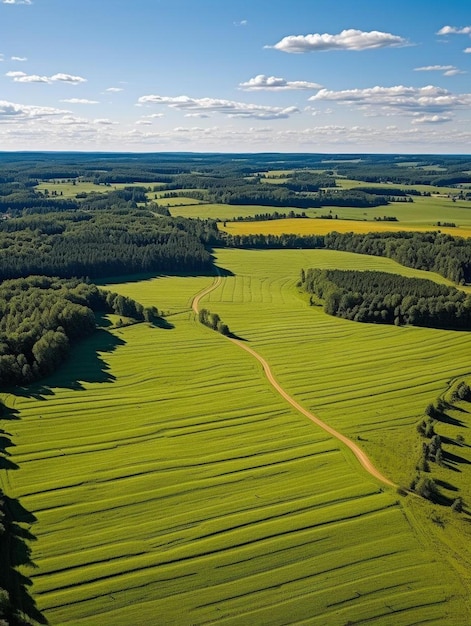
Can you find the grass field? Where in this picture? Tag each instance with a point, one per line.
(70, 190)
(171, 485)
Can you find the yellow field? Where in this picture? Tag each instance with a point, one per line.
(301, 226)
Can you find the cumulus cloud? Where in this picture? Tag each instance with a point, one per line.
(350, 39)
(14, 111)
(18, 59)
(114, 89)
(17, 2)
(453, 30)
(241, 23)
(431, 119)
(79, 101)
(467, 50)
(407, 100)
(448, 70)
(273, 83)
(104, 121)
(225, 107)
(22, 77)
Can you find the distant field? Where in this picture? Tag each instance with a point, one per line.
(227, 211)
(70, 190)
(192, 492)
(302, 226)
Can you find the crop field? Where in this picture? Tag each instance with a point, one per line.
(171, 484)
(306, 226)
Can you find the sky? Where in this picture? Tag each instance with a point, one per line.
(323, 76)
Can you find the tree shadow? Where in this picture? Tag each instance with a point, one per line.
(448, 419)
(15, 552)
(84, 364)
(453, 459)
(213, 270)
(238, 337)
(162, 322)
(446, 485)
(8, 413)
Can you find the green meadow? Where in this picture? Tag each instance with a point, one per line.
(172, 485)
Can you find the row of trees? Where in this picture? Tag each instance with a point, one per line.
(432, 452)
(213, 321)
(388, 298)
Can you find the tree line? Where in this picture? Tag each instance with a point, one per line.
(380, 297)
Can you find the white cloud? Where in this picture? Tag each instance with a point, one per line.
(68, 78)
(103, 121)
(225, 107)
(431, 119)
(143, 123)
(79, 101)
(114, 89)
(350, 39)
(154, 116)
(22, 77)
(18, 59)
(407, 100)
(448, 70)
(17, 2)
(241, 23)
(453, 30)
(198, 115)
(14, 111)
(273, 83)
(467, 50)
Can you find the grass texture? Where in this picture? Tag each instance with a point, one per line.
(171, 485)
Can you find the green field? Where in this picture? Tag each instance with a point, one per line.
(69, 188)
(172, 485)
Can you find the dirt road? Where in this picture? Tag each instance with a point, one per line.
(357, 451)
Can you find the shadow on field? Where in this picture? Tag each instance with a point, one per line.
(214, 270)
(15, 552)
(6, 442)
(84, 364)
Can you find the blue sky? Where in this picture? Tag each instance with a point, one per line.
(236, 75)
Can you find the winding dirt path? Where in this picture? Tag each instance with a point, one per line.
(357, 451)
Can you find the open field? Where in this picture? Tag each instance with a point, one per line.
(301, 226)
(69, 189)
(168, 479)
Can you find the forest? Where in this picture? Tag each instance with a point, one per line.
(385, 298)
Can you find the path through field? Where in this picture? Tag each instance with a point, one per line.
(357, 451)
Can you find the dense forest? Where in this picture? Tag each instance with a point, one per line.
(388, 298)
(103, 243)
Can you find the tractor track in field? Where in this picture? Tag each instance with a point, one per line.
(361, 456)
